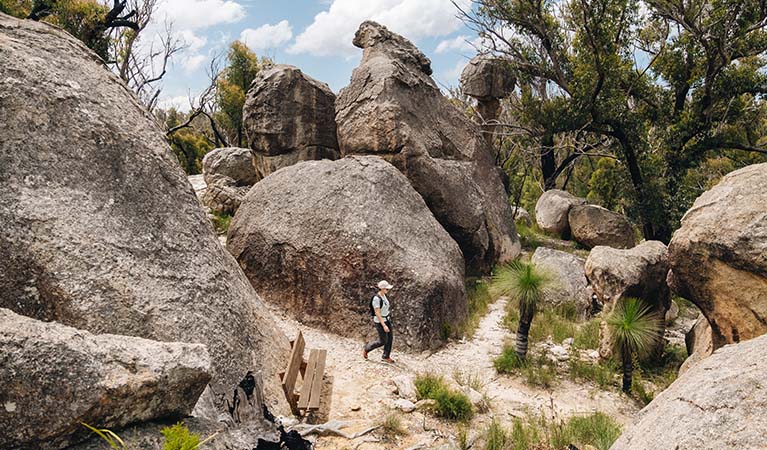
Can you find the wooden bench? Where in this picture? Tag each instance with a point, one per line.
(312, 373)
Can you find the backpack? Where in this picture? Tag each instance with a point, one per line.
(370, 305)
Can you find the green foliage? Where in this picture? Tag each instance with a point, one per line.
(16, 8)
(428, 384)
(634, 328)
(112, 439)
(558, 323)
(189, 145)
(597, 429)
(496, 437)
(602, 374)
(231, 87)
(508, 361)
(523, 282)
(539, 372)
(450, 405)
(178, 437)
(529, 236)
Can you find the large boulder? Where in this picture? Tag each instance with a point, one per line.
(719, 403)
(592, 225)
(289, 117)
(552, 209)
(100, 228)
(698, 342)
(719, 255)
(317, 236)
(54, 377)
(569, 279)
(640, 272)
(488, 79)
(228, 174)
(392, 108)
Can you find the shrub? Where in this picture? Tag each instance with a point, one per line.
(178, 437)
(427, 385)
(538, 432)
(453, 405)
(508, 361)
(221, 222)
(539, 371)
(597, 429)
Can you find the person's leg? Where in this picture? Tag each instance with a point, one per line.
(389, 340)
(381, 339)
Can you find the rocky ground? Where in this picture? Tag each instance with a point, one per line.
(363, 394)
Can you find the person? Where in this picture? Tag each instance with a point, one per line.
(381, 318)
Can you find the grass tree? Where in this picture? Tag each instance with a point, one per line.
(524, 284)
(635, 330)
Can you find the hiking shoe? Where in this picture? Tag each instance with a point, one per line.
(388, 360)
(364, 353)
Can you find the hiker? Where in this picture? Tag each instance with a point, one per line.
(380, 308)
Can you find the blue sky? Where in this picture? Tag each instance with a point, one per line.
(314, 35)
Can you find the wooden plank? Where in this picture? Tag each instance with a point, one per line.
(306, 389)
(294, 364)
(319, 371)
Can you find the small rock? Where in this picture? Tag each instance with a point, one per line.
(568, 342)
(558, 353)
(404, 405)
(672, 313)
(405, 387)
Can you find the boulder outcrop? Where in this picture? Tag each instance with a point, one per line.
(719, 403)
(289, 117)
(488, 79)
(719, 255)
(100, 228)
(592, 225)
(638, 272)
(228, 174)
(552, 209)
(522, 216)
(569, 279)
(55, 377)
(392, 108)
(698, 342)
(317, 236)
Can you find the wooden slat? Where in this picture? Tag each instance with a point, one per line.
(306, 389)
(294, 364)
(314, 398)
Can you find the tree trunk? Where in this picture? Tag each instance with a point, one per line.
(548, 163)
(522, 331)
(628, 371)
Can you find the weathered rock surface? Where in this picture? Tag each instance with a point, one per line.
(592, 225)
(487, 77)
(552, 209)
(317, 236)
(638, 272)
(522, 216)
(569, 279)
(698, 342)
(393, 109)
(100, 228)
(719, 403)
(223, 196)
(289, 117)
(719, 255)
(231, 162)
(53, 377)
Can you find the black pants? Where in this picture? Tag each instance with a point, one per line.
(384, 339)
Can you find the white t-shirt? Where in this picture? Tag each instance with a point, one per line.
(380, 301)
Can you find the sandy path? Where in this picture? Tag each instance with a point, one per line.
(365, 385)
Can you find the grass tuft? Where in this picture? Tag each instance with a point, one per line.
(392, 426)
(221, 222)
(450, 404)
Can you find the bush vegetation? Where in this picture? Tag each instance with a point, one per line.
(392, 426)
(221, 222)
(449, 404)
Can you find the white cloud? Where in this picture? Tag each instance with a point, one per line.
(193, 62)
(181, 103)
(461, 43)
(197, 14)
(332, 31)
(267, 36)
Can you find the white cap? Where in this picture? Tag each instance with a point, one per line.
(383, 284)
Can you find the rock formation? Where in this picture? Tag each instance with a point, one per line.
(719, 255)
(639, 272)
(488, 79)
(53, 377)
(317, 236)
(552, 209)
(569, 279)
(228, 174)
(522, 216)
(698, 342)
(100, 228)
(289, 117)
(719, 403)
(592, 225)
(392, 108)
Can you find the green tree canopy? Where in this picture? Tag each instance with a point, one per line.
(664, 85)
(232, 85)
